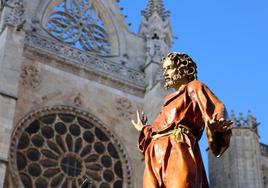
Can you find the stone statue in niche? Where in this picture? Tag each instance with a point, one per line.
(170, 143)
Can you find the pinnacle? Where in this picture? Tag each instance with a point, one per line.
(155, 6)
(247, 122)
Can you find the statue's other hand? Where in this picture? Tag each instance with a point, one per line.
(140, 121)
(221, 125)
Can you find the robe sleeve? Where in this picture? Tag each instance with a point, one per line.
(212, 109)
(144, 138)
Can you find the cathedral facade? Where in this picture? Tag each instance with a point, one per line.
(72, 76)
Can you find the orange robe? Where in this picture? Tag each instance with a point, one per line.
(173, 164)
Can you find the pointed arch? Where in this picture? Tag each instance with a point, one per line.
(81, 24)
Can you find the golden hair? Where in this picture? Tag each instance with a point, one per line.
(186, 66)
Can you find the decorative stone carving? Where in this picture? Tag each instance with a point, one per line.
(249, 122)
(88, 61)
(155, 6)
(30, 76)
(12, 14)
(75, 22)
(62, 146)
(78, 100)
(156, 30)
(124, 108)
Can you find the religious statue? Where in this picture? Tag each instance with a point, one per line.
(170, 143)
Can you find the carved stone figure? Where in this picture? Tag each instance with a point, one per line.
(124, 108)
(30, 76)
(170, 143)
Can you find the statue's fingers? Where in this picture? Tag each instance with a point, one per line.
(138, 116)
(142, 115)
(133, 122)
(221, 119)
(146, 118)
(136, 125)
(228, 123)
(214, 116)
(227, 128)
(137, 112)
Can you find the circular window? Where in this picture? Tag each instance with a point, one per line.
(64, 147)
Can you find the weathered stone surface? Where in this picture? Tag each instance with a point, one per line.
(2, 174)
(7, 111)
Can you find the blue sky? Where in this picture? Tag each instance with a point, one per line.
(229, 42)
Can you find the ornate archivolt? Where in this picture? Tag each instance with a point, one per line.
(63, 147)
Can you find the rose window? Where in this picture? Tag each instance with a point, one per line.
(66, 150)
(76, 22)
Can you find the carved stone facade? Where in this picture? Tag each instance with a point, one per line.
(73, 76)
(88, 61)
(69, 87)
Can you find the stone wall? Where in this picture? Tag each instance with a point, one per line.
(240, 166)
(264, 163)
(43, 84)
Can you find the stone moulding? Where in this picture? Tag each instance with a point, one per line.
(68, 110)
(89, 61)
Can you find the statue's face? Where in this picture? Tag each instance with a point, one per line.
(170, 73)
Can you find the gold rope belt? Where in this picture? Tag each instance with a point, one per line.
(178, 132)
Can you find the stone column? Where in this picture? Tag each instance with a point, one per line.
(11, 48)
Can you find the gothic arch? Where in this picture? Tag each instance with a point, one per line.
(104, 26)
(61, 145)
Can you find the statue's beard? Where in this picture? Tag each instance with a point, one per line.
(172, 82)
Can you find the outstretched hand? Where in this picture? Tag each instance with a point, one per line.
(221, 125)
(141, 122)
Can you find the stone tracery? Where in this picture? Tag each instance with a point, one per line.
(75, 22)
(58, 147)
